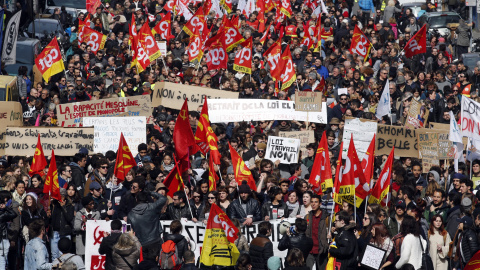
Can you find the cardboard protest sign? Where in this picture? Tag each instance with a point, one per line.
(108, 129)
(195, 231)
(446, 149)
(283, 149)
(305, 138)
(172, 95)
(11, 114)
(308, 101)
(238, 110)
(404, 140)
(71, 114)
(428, 150)
(22, 141)
(417, 115)
(363, 132)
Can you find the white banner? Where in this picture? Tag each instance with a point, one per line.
(470, 118)
(362, 135)
(238, 110)
(195, 232)
(283, 149)
(9, 53)
(107, 132)
(93, 239)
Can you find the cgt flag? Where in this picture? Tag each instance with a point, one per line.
(418, 43)
(382, 187)
(321, 174)
(218, 244)
(353, 171)
(242, 172)
(288, 75)
(51, 185)
(39, 162)
(243, 57)
(125, 161)
(205, 137)
(360, 43)
(368, 160)
(94, 39)
(49, 62)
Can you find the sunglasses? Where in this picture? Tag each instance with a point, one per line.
(211, 198)
(196, 196)
(104, 167)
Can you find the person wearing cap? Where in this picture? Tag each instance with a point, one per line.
(393, 222)
(63, 213)
(246, 209)
(252, 152)
(466, 242)
(261, 148)
(455, 185)
(101, 204)
(88, 212)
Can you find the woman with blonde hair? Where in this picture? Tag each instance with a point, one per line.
(126, 251)
(390, 10)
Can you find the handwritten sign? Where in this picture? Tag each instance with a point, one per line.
(404, 140)
(428, 150)
(71, 114)
(373, 257)
(417, 115)
(172, 95)
(11, 114)
(308, 101)
(22, 141)
(363, 132)
(238, 110)
(283, 149)
(305, 138)
(446, 149)
(108, 129)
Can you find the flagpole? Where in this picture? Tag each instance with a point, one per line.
(471, 142)
(331, 215)
(355, 207)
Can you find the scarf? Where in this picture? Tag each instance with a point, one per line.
(114, 187)
(292, 206)
(18, 198)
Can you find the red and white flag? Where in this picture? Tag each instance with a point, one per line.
(418, 43)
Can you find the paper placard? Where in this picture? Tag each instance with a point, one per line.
(363, 132)
(417, 115)
(404, 140)
(22, 141)
(428, 150)
(238, 110)
(71, 114)
(108, 129)
(162, 45)
(342, 91)
(283, 149)
(373, 257)
(305, 138)
(172, 95)
(94, 230)
(308, 101)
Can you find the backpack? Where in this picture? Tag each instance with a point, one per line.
(169, 256)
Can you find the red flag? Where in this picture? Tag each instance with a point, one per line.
(81, 24)
(243, 58)
(125, 161)
(147, 41)
(222, 222)
(265, 34)
(269, 5)
(474, 263)
(242, 172)
(360, 43)
(39, 161)
(205, 137)
(173, 181)
(261, 22)
(368, 160)
(170, 5)
(212, 176)
(227, 5)
(353, 173)
(94, 39)
(51, 185)
(232, 35)
(286, 8)
(49, 62)
(217, 57)
(163, 28)
(288, 76)
(195, 47)
(273, 55)
(92, 5)
(338, 179)
(321, 175)
(382, 187)
(197, 21)
(418, 43)
(307, 40)
(183, 134)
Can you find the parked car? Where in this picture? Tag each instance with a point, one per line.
(471, 59)
(439, 21)
(27, 51)
(43, 28)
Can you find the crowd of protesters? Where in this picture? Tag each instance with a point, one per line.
(436, 211)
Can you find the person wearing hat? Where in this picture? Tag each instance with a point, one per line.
(261, 148)
(455, 185)
(65, 245)
(466, 242)
(161, 189)
(88, 212)
(246, 209)
(393, 222)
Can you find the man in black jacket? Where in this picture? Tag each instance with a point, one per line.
(179, 208)
(78, 171)
(109, 240)
(346, 250)
(298, 240)
(245, 208)
(261, 248)
(467, 244)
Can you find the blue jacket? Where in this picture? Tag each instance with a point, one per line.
(36, 255)
(323, 71)
(366, 5)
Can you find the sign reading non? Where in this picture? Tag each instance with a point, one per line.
(283, 149)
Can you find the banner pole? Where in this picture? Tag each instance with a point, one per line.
(471, 142)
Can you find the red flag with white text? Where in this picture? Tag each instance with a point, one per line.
(243, 57)
(360, 43)
(382, 187)
(368, 161)
(418, 43)
(217, 56)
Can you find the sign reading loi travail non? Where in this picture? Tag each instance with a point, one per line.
(308, 101)
(71, 114)
(283, 149)
(172, 95)
(22, 141)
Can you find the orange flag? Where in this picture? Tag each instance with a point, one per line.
(39, 161)
(51, 185)
(368, 160)
(205, 137)
(173, 181)
(382, 187)
(183, 137)
(212, 176)
(321, 175)
(125, 161)
(49, 62)
(242, 172)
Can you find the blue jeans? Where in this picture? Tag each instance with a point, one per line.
(4, 247)
(56, 253)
